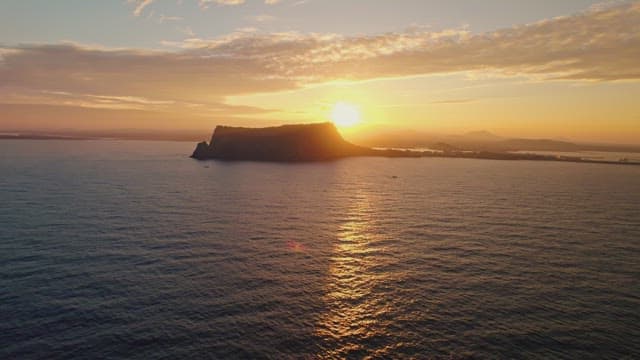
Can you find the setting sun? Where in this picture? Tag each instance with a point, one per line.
(345, 115)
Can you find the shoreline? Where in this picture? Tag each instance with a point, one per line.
(379, 152)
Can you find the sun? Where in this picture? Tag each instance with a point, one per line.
(345, 115)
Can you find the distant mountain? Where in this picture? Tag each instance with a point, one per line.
(482, 135)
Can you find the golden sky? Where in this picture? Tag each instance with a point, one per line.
(568, 75)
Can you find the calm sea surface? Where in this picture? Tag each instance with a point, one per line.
(130, 249)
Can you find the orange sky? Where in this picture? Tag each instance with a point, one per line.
(572, 76)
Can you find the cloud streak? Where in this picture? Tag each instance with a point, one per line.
(601, 44)
(205, 3)
(140, 5)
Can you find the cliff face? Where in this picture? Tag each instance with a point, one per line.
(309, 142)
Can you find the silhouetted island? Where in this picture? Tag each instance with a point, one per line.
(323, 142)
(287, 143)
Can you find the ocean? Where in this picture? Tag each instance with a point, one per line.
(129, 249)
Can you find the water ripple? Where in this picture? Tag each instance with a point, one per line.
(131, 250)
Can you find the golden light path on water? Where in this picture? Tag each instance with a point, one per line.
(354, 314)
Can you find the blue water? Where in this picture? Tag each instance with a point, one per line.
(132, 250)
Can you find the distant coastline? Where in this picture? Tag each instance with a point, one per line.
(322, 142)
(40, 137)
(437, 150)
(522, 156)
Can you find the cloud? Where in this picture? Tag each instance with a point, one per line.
(262, 18)
(597, 45)
(140, 5)
(186, 30)
(182, 76)
(607, 4)
(601, 44)
(205, 3)
(42, 110)
(164, 18)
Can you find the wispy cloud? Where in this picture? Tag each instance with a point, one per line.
(164, 18)
(205, 3)
(185, 30)
(262, 18)
(597, 45)
(140, 5)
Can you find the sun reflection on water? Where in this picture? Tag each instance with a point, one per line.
(354, 313)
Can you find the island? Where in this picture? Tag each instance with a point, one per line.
(287, 143)
(323, 142)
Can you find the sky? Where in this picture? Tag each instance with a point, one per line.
(539, 68)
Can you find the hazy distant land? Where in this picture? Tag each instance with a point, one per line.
(471, 141)
(477, 145)
(321, 142)
(19, 136)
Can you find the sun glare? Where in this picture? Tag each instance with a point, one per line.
(345, 115)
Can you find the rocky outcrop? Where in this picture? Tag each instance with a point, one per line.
(288, 143)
